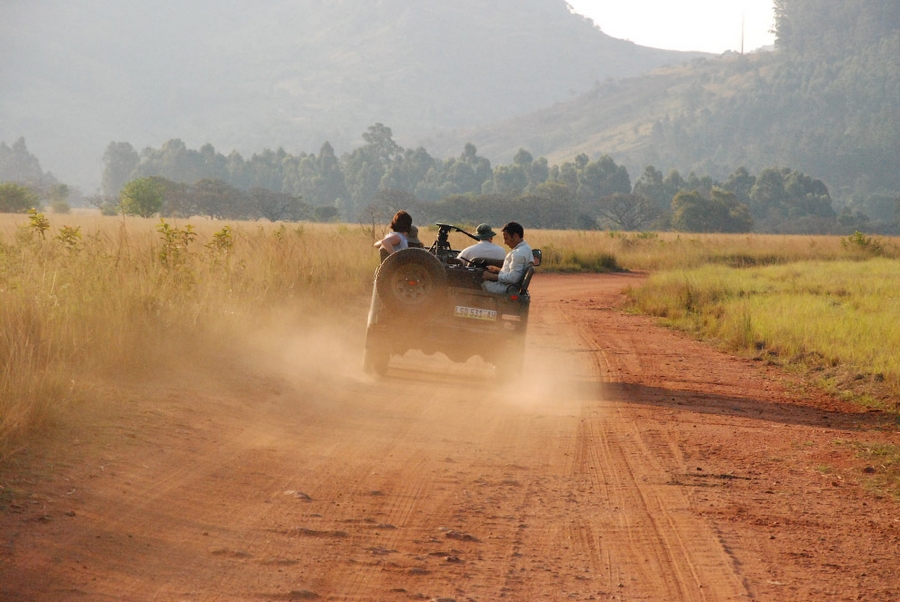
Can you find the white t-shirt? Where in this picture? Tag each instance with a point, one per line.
(397, 240)
(514, 266)
(485, 249)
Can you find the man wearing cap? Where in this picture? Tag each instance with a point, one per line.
(484, 247)
(515, 264)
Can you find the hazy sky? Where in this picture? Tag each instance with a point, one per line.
(705, 25)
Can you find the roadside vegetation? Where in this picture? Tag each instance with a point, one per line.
(825, 307)
(830, 310)
(88, 297)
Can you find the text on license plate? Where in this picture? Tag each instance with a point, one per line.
(475, 312)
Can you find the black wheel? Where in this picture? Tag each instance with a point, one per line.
(411, 280)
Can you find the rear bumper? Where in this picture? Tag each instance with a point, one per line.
(499, 324)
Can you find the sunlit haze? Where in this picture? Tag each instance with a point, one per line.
(704, 25)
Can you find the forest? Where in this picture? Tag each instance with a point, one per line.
(826, 102)
(380, 177)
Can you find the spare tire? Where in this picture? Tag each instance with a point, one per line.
(411, 281)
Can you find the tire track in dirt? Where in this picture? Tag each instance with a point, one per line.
(658, 540)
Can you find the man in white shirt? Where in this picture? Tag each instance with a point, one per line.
(484, 247)
(516, 262)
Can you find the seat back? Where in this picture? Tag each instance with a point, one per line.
(526, 280)
(522, 287)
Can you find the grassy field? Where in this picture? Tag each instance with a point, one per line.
(84, 296)
(834, 316)
(577, 250)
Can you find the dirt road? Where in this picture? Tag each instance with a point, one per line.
(630, 463)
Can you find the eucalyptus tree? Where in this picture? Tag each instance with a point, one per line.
(119, 162)
(720, 212)
(601, 178)
(365, 167)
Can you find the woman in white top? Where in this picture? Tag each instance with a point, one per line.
(396, 238)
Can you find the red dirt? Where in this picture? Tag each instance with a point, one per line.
(631, 463)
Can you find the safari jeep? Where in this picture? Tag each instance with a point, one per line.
(431, 301)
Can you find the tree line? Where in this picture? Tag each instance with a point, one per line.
(373, 181)
(824, 102)
(23, 184)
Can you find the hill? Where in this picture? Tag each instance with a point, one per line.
(622, 118)
(827, 102)
(290, 73)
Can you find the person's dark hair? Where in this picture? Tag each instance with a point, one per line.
(401, 222)
(514, 228)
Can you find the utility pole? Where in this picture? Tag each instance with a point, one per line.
(743, 16)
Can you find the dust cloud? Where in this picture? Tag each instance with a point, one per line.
(556, 380)
(318, 363)
(311, 356)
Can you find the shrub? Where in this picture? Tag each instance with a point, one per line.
(16, 198)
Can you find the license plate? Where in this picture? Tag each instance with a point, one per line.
(476, 313)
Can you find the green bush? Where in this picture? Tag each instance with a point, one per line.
(16, 198)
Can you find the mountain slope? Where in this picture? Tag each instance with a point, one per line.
(290, 73)
(826, 102)
(616, 117)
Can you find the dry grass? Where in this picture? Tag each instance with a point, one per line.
(883, 471)
(839, 320)
(98, 296)
(577, 250)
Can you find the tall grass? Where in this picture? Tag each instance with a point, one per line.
(818, 314)
(104, 295)
(822, 303)
(578, 250)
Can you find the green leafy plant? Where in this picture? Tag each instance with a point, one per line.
(37, 223)
(175, 241)
(143, 197)
(222, 241)
(868, 245)
(69, 236)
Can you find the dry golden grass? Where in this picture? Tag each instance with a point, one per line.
(577, 250)
(837, 319)
(97, 296)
